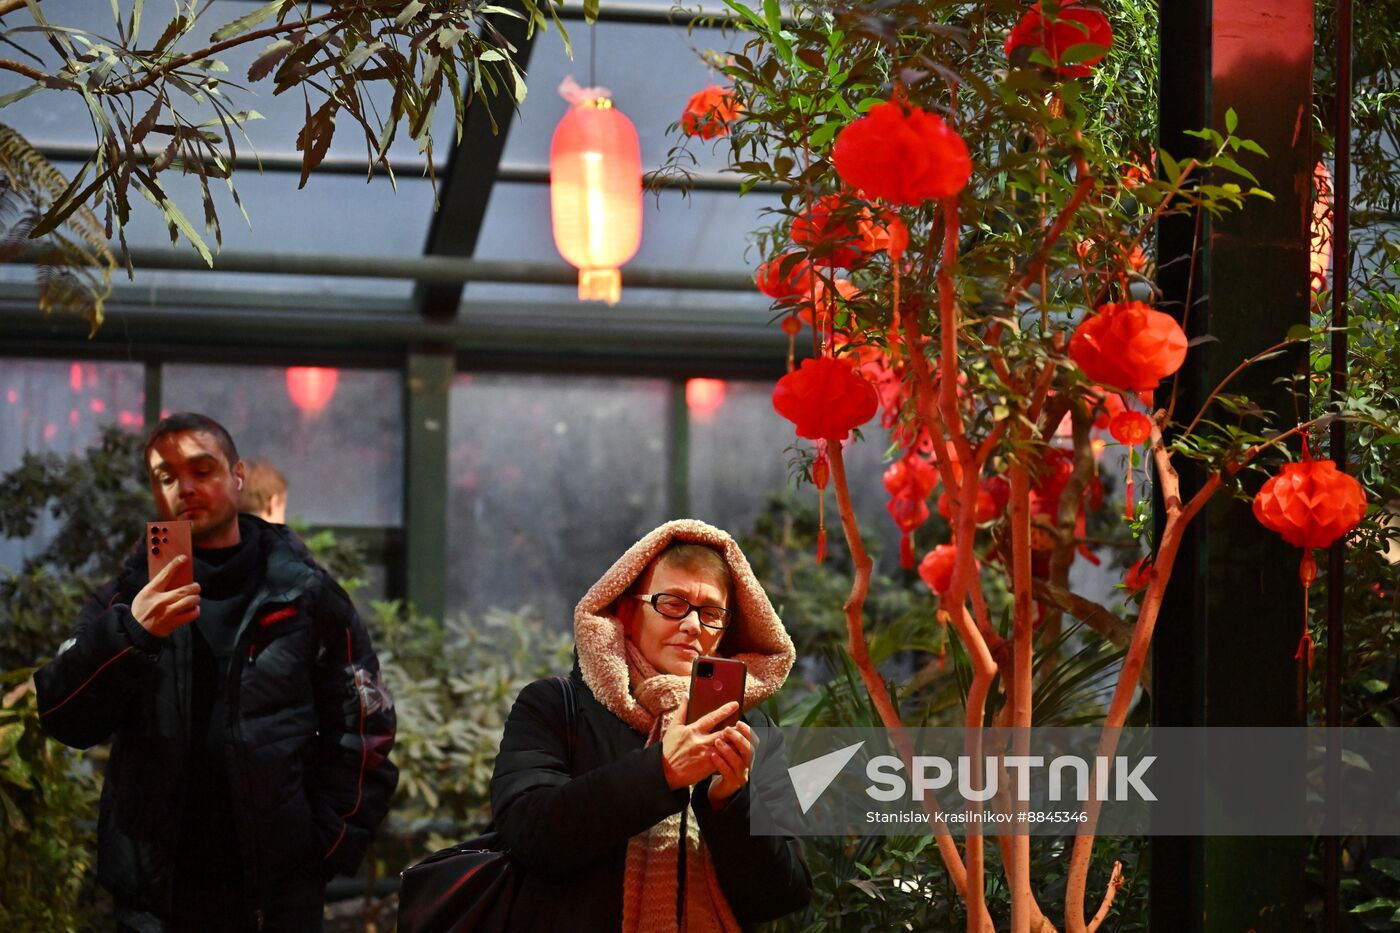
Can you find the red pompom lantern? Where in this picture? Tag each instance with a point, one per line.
(1074, 24)
(833, 242)
(1311, 504)
(595, 195)
(784, 277)
(1128, 345)
(938, 566)
(825, 398)
(311, 387)
(902, 154)
(708, 112)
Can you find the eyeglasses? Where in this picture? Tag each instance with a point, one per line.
(678, 607)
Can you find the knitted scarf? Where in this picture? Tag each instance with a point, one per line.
(634, 691)
(653, 857)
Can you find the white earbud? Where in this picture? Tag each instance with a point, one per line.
(239, 480)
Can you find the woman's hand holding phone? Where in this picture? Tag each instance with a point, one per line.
(688, 751)
(733, 757)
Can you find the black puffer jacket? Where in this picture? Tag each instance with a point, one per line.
(569, 822)
(310, 721)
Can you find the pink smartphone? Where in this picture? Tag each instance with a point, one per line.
(164, 542)
(713, 683)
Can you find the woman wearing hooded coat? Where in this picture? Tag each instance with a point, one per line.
(597, 826)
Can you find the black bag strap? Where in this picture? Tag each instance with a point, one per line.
(570, 716)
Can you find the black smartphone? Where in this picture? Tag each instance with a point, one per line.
(713, 683)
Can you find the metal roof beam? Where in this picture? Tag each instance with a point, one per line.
(448, 272)
(471, 172)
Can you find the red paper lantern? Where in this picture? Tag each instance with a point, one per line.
(825, 399)
(311, 387)
(1310, 503)
(1074, 24)
(832, 241)
(595, 195)
(784, 277)
(938, 566)
(886, 233)
(1128, 345)
(708, 112)
(703, 397)
(902, 154)
(908, 514)
(1130, 427)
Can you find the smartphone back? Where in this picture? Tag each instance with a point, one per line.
(713, 683)
(164, 542)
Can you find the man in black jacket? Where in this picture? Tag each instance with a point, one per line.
(252, 731)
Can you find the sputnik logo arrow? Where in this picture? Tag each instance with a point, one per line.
(811, 778)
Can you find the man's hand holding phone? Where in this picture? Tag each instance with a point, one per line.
(161, 611)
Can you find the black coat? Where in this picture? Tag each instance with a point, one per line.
(310, 727)
(570, 825)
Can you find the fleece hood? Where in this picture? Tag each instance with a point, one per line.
(755, 636)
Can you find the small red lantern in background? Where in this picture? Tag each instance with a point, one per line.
(993, 492)
(1320, 256)
(595, 191)
(909, 481)
(1074, 24)
(836, 242)
(1128, 345)
(708, 112)
(703, 397)
(311, 387)
(784, 277)
(1129, 428)
(825, 399)
(902, 154)
(937, 568)
(1311, 504)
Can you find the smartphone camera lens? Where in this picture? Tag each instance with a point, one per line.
(156, 550)
(705, 669)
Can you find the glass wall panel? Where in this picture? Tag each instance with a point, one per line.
(552, 479)
(59, 406)
(337, 435)
(739, 457)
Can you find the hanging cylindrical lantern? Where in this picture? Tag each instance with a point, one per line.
(595, 191)
(311, 387)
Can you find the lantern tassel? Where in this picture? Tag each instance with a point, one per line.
(906, 551)
(1307, 573)
(1128, 490)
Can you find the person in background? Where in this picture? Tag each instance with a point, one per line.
(250, 729)
(599, 828)
(264, 492)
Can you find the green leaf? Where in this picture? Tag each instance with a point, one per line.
(1232, 120)
(1387, 866)
(590, 11)
(19, 95)
(246, 22)
(1376, 903)
(1299, 332)
(1254, 147)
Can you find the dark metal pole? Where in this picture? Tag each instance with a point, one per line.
(1336, 558)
